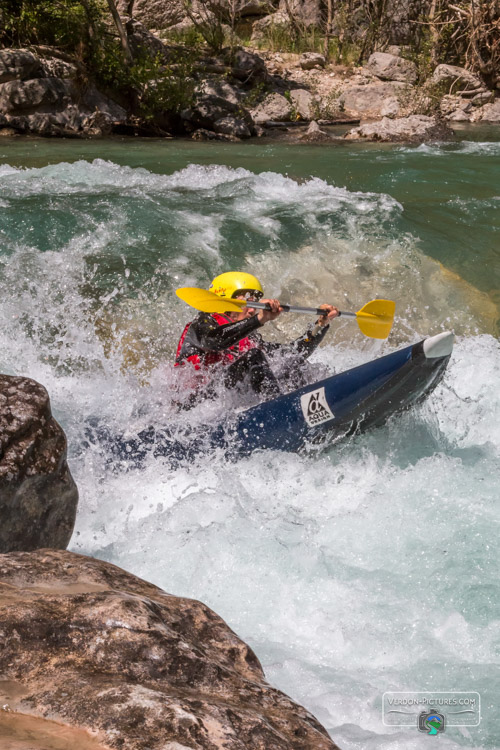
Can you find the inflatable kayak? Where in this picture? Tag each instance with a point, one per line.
(320, 413)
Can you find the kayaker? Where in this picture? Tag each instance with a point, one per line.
(229, 346)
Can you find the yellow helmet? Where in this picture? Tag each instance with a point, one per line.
(231, 283)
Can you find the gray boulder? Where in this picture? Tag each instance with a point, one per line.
(304, 103)
(244, 8)
(248, 66)
(232, 126)
(221, 89)
(456, 79)
(373, 99)
(307, 12)
(202, 134)
(38, 497)
(35, 95)
(54, 67)
(488, 113)
(392, 68)
(19, 64)
(274, 108)
(412, 129)
(264, 25)
(156, 14)
(207, 110)
(314, 134)
(310, 60)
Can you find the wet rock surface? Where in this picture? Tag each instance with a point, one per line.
(38, 497)
(94, 648)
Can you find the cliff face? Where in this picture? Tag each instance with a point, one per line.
(38, 497)
(92, 647)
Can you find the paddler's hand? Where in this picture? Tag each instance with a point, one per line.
(264, 315)
(330, 313)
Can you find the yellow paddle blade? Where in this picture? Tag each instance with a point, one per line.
(208, 302)
(375, 319)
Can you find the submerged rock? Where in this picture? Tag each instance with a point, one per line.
(92, 647)
(38, 497)
(412, 129)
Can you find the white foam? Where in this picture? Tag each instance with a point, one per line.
(367, 568)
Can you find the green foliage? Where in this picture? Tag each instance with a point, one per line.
(153, 85)
(54, 22)
(279, 38)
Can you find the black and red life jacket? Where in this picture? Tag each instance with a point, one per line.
(205, 360)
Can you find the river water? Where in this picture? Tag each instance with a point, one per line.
(368, 568)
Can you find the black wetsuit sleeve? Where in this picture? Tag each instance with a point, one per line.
(304, 345)
(206, 334)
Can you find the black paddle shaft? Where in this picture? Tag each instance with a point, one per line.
(294, 308)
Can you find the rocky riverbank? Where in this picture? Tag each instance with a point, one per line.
(46, 93)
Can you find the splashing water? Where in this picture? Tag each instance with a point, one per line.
(368, 568)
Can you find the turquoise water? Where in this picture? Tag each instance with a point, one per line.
(371, 567)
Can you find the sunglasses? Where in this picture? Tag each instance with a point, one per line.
(249, 295)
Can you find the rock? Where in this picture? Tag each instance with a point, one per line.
(35, 95)
(459, 115)
(487, 97)
(53, 67)
(156, 14)
(307, 12)
(274, 108)
(450, 104)
(413, 129)
(314, 134)
(97, 125)
(144, 43)
(232, 126)
(391, 68)
(19, 64)
(310, 60)
(393, 49)
(304, 103)
(207, 110)
(373, 99)
(277, 20)
(94, 648)
(455, 78)
(244, 8)
(220, 88)
(202, 134)
(248, 66)
(92, 99)
(488, 113)
(38, 497)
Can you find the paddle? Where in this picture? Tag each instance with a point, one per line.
(374, 319)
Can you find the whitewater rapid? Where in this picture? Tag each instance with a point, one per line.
(368, 568)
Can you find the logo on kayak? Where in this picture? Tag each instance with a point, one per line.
(315, 407)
